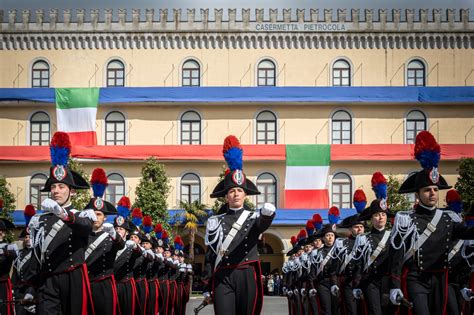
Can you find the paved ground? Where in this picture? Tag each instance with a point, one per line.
(271, 306)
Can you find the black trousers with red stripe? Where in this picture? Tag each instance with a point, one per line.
(164, 297)
(66, 293)
(143, 297)
(104, 296)
(6, 295)
(127, 296)
(235, 292)
(428, 291)
(153, 294)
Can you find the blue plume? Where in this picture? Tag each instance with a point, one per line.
(318, 225)
(98, 189)
(166, 240)
(233, 157)
(455, 206)
(123, 211)
(333, 219)
(380, 191)
(147, 228)
(137, 221)
(429, 159)
(59, 155)
(360, 205)
(158, 234)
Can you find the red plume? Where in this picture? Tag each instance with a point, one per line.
(1, 203)
(334, 211)
(165, 234)
(378, 178)
(158, 228)
(230, 142)
(147, 221)
(61, 139)
(99, 176)
(309, 225)
(29, 211)
(124, 202)
(359, 195)
(453, 196)
(426, 142)
(177, 239)
(227, 171)
(293, 240)
(137, 213)
(302, 234)
(317, 218)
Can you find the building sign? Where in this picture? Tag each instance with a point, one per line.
(301, 27)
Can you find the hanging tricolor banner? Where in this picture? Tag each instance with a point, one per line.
(76, 111)
(306, 183)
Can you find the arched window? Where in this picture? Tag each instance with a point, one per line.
(190, 188)
(115, 189)
(416, 73)
(115, 73)
(198, 250)
(341, 128)
(40, 74)
(341, 73)
(341, 190)
(115, 129)
(40, 129)
(37, 182)
(265, 249)
(416, 122)
(191, 75)
(267, 185)
(266, 73)
(190, 128)
(266, 128)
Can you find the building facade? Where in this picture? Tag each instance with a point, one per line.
(387, 76)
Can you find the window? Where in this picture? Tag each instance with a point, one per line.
(341, 128)
(40, 74)
(266, 128)
(190, 188)
(267, 185)
(266, 73)
(115, 189)
(341, 73)
(40, 128)
(416, 73)
(190, 128)
(191, 73)
(416, 122)
(115, 74)
(341, 190)
(36, 195)
(115, 129)
(265, 249)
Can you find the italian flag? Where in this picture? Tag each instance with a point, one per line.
(307, 169)
(76, 111)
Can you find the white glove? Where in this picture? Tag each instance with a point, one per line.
(290, 293)
(13, 247)
(268, 209)
(206, 295)
(284, 290)
(142, 250)
(88, 214)
(395, 294)
(2, 252)
(295, 292)
(334, 290)
(29, 308)
(466, 294)
(303, 292)
(159, 256)
(182, 268)
(149, 253)
(49, 205)
(357, 293)
(169, 259)
(312, 292)
(109, 228)
(189, 267)
(131, 244)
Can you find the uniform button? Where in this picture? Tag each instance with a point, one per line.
(228, 264)
(245, 244)
(246, 259)
(246, 252)
(70, 259)
(226, 257)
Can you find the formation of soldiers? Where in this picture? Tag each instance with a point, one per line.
(378, 262)
(73, 262)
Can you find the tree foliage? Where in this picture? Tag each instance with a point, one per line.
(193, 213)
(396, 201)
(8, 198)
(83, 196)
(152, 192)
(465, 183)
